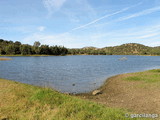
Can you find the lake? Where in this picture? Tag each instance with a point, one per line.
(73, 74)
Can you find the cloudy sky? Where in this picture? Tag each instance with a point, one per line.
(81, 23)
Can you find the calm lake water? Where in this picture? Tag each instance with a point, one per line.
(74, 74)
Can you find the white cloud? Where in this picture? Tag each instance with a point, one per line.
(137, 33)
(58, 39)
(106, 16)
(77, 10)
(154, 44)
(41, 28)
(144, 12)
(144, 35)
(53, 5)
(86, 7)
(148, 35)
(66, 39)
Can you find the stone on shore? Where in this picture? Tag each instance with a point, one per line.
(96, 92)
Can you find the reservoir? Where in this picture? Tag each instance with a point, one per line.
(73, 74)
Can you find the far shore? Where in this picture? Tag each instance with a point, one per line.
(35, 55)
(22, 55)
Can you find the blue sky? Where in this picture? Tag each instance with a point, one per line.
(81, 23)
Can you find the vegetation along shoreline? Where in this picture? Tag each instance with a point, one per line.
(18, 49)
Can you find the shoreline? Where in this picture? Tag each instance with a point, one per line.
(133, 93)
(129, 91)
(65, 55)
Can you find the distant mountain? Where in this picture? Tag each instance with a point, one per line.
(124, 49)
(89, 47)
(128, 49)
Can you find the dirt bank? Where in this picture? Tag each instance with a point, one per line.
(137, 94)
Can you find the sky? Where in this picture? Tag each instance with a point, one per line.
(81, 23)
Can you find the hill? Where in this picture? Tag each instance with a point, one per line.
(124, 49)
(129, 49)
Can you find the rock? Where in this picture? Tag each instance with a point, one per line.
(123, 58)
(96, 92)
(67, 93)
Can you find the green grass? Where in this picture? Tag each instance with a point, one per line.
(133, 78)
(151, 76)
(155, 70)
(26, 102)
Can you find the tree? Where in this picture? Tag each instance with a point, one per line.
(44, 49)
(37, 44)
(2, 52)
(36, 47)
(26, 49)
(17, 43)
(17, 47)
(10, 49)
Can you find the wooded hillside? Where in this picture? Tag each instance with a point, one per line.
(125, 49)
(17, 48)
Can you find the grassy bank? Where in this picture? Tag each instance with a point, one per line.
(127, 93)
(26, 102)
(137, 92)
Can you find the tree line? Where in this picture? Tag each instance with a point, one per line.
(17, 48)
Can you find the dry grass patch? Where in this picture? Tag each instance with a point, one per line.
(3, 59)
